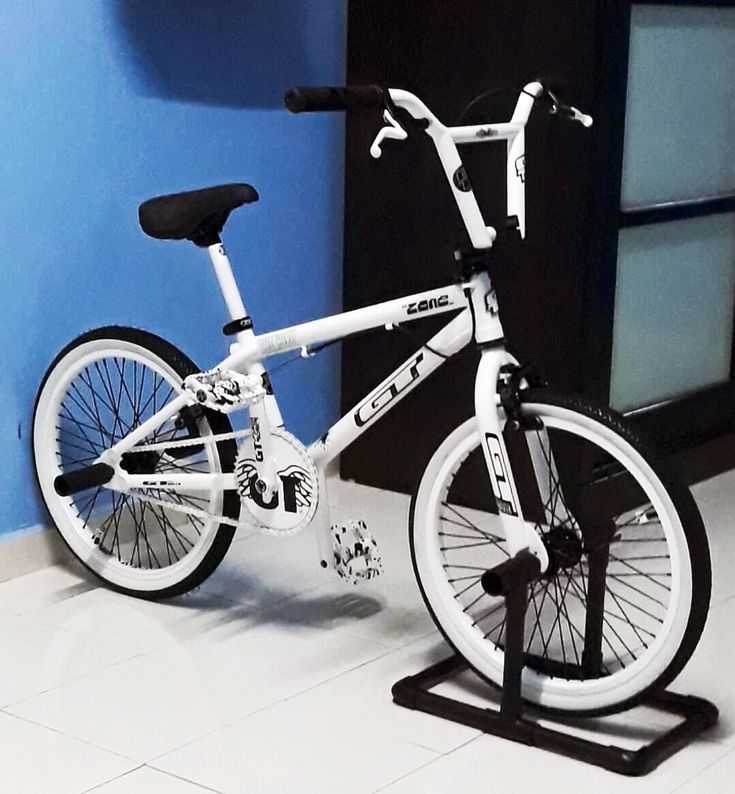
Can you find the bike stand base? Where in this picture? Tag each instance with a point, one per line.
(414, 692)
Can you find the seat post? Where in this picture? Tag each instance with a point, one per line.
(226, 279)
(237, 310)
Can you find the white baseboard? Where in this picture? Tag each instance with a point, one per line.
(29, 549)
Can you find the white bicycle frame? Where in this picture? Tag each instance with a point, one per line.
(477, 317)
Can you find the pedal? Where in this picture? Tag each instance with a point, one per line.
(224, 390)
(356, 557)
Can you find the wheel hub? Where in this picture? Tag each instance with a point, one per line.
(564, 548)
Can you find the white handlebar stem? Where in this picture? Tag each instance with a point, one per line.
(481, 236)
(446, 140)
(515, 177)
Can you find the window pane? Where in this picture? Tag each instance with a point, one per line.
(680, 124)
(673, 309)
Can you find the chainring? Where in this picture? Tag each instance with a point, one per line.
(292, 506)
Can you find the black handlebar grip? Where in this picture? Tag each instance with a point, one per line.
(81, 479)
(330, 98)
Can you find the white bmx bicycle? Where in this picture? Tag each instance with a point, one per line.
(146, 481)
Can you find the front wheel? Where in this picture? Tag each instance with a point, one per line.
(624, 601)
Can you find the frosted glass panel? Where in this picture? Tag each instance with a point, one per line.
(680, 121)
(673, 309)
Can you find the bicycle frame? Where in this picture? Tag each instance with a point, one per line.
(473, 298)
(476, 306)
(477, 317)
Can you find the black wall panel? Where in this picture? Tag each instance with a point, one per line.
(400, 223)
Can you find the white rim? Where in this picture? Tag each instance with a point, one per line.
(62, 509)
(552, 692)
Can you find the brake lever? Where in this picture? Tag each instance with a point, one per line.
(568, 111)
(393, 131)
(574, 114)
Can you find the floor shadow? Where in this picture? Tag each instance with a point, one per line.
(266, 604)
(224, 52)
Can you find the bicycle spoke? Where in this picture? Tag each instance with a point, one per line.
(467, 524)
(102, 404)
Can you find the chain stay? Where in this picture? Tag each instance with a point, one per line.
(193, 511)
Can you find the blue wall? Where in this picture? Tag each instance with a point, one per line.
(107, 102)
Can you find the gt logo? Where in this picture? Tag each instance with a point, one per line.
(521, 168)
(290, 485)
(461, 180)
(498, 475)
(295, 493)
(426, 305)
(257, 446)
(384, 395)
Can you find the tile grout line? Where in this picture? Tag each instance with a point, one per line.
(111, 780)
(703, 770)
(423, 766)
(78, 591)
(98, 786)
(186, 780)
(69, 736)
(325, 682)
(266, 707)
(5, 708)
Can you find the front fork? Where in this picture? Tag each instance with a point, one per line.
(519, 532)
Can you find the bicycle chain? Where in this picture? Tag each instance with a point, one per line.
(188, 509)
(189, 442)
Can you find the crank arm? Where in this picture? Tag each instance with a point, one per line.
(266, 464)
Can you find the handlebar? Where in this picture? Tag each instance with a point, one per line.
(318, 99)
(330, 98)
(403, 109)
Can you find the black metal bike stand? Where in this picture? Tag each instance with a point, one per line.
(511, 579)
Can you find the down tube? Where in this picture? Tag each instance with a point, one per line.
(449, 341)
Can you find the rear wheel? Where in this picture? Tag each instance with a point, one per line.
(624, 602)
(99, 388)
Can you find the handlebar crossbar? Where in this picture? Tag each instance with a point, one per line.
(446, 139)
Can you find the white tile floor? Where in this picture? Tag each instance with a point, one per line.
(273, 678)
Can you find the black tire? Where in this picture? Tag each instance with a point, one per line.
(692, 525)
(226, 450)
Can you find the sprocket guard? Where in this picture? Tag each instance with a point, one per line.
(293, 505)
